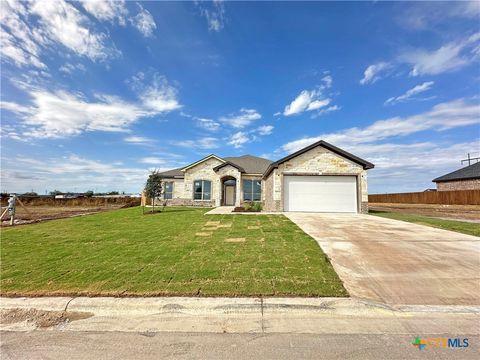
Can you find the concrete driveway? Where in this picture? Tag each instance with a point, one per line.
(396, 262)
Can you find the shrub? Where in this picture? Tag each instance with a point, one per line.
(257, 206)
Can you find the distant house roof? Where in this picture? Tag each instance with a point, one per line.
(248, 164)
(466, 173)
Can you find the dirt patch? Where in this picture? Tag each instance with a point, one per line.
(37, 213)
(235, 240)
(203, 234)
(254, 227)
(40, 318)
(454, 212)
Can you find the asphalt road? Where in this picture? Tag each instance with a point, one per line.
(157, 345)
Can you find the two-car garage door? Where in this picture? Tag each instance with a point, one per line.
(320, 193)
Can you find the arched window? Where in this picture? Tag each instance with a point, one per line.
(202, 190)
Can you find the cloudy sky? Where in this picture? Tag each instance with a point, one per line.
(96, 93)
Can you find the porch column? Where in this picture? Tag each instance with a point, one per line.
(238, 192)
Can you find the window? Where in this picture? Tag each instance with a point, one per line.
(252, 190)
(168, 190)
(202, 189)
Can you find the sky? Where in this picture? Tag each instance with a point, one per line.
(95, 94)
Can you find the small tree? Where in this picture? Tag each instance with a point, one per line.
(153, 187)
(88, 193)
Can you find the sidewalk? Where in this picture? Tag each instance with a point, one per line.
(246, 315)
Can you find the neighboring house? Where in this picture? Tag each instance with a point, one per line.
(318, 178)
(467, 178)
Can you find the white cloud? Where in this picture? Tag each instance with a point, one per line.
(238, 139)
(20, 44)
(373, 72)
(107, 10)
(63, 23)
(410, 93)
(201, 143)
(70, 173)
(327, 81)
(69, 68)
(208, 124)
(426, 15)
(57, 114)
(144, 22)
(214, 13)
(441, 117)
(265, 129)
(405, 166)
(306, 101)
(152, 160)
(327, 110)
(449, 57)
(13, 107)
(138, 140)
(242, 119)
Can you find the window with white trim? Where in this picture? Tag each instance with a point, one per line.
(202, 190)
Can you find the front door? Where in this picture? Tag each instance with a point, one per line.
(229, 195)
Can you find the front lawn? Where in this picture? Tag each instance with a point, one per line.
(178, 252)
(453, 225)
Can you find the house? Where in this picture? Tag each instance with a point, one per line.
(317, 178)
(467, 178)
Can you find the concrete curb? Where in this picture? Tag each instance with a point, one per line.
(251, 315)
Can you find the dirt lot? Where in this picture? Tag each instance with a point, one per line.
(49, 212)
(455, 212)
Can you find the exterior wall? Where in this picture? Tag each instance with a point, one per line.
(318, 161)
(471, 184)
(229, 171)
(203, 171)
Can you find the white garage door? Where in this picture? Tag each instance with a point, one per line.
(320, 193)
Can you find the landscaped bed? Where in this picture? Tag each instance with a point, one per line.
(180, 251)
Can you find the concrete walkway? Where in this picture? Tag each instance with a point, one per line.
(220, 210)
(396, 262)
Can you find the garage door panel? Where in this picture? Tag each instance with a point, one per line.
(320, 193)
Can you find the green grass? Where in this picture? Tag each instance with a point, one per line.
(453, 225)
(123, 252)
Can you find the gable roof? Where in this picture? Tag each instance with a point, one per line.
(468, 172)
(202, 160)
(366, 165)
(251, 164)
(238, 167)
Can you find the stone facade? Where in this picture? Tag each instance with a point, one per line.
(317, 161)
(469, 184)
(183, 188)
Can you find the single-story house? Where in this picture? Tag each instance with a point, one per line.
(317, 178)
(467, 178)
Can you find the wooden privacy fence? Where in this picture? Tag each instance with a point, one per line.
(459, 197)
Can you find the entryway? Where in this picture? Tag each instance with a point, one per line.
(229, 189)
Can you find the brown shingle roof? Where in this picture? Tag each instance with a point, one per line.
(246, 164)
(251, 164)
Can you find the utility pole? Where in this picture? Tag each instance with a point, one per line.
(470, 159)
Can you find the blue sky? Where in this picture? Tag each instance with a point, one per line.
(94, 94)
